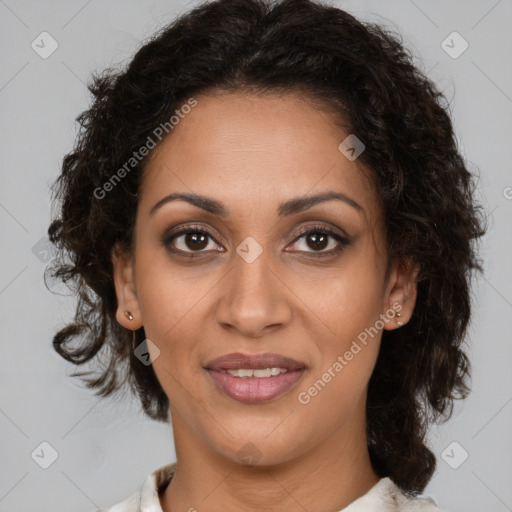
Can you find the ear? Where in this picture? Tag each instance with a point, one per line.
(401, 293)
(127, 302)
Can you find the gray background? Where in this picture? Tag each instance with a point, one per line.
(106, 449)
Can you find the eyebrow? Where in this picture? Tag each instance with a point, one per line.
(290, 207)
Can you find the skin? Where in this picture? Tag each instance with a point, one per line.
(251, 153)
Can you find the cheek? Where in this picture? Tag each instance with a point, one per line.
(347, 353)
(172, 304)
(343, 312)
(344, 301)
(165, 295)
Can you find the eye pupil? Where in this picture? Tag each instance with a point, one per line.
(199, 239)
(319, 240)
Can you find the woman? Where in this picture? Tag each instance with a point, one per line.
(271, 233)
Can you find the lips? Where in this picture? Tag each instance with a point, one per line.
(238, 360)
(254, 387)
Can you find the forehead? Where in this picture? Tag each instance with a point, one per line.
(252, 148)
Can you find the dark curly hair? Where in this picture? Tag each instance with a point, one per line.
(361, 72)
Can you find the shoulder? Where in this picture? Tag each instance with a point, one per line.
(421, 505)
(410, 504)
(386, 496)
(148, 496)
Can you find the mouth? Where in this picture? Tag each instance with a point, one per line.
(255, 378)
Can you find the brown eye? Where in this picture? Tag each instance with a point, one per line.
(189, 240)
(317, 239)
(196, 241)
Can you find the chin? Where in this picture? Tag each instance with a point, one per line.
(259, 449)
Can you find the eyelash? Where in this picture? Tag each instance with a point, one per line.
(343, 241)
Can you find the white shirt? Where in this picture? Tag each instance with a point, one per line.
(384, 496)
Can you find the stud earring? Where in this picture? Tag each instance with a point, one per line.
(398, 314)
(129, 315)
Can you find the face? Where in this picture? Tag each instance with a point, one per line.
(259, 270)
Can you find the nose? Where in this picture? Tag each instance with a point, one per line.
(253, 298)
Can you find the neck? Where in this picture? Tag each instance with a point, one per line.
(327, 478)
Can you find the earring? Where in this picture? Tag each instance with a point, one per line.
(129, 315)
(398, 314)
